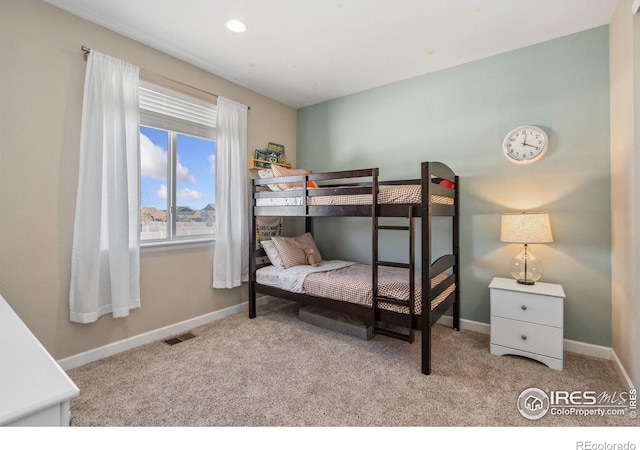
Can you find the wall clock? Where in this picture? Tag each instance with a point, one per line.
(525, 144)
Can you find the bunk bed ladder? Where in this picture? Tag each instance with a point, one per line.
(376, 263)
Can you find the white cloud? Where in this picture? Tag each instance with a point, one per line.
(190, 194)
(162, 192)
(153, 163)
(182, 174)
(186, 193)
(212, 163)
(153, 159)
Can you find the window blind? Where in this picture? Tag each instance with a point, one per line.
(170, 110)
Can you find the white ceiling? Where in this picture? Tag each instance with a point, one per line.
(303, 52)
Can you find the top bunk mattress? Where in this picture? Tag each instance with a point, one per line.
(388, 194)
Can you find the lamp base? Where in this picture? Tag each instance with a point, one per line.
(525, 268)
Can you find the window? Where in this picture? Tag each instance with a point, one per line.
(177, 166)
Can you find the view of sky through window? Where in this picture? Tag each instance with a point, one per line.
(194, 185)
(195, 170)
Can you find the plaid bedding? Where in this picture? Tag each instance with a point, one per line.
(353, 284)
(389, 194)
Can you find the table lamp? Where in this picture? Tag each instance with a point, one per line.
(525, 228)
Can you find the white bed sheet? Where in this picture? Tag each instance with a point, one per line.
(292, 279)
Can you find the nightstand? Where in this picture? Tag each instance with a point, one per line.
(527, 320)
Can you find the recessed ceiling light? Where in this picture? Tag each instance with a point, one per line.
(236, 26)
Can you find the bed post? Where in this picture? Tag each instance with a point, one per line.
(425, 316)
(374, 249)
(456, 254)
(252, 252)
(308, 225)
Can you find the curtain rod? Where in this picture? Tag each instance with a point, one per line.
(87, 50)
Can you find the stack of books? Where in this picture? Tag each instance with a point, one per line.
(272, 154)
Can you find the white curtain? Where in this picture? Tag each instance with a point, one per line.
(105, 268)
(231, 253)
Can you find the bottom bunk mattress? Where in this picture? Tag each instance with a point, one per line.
(351, 282)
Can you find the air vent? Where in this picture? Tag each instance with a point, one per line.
(181, 338)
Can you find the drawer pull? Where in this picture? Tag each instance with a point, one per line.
(523, 337)
(523, 307)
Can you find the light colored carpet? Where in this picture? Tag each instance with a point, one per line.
(276, 370)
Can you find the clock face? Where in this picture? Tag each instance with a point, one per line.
(525, 145)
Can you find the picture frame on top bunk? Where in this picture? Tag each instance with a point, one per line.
(437, 187)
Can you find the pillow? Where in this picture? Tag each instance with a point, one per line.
(294, 250)
(272, 253)
(279, 171)
(311, 184)
(268, 173)
(447, 183)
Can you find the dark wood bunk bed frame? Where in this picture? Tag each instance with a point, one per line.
(431, 174)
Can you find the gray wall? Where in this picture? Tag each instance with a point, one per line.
(459, 116)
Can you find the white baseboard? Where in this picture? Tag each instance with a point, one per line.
(95, 354)
(582, 348)
(465, 324)
(622, 373)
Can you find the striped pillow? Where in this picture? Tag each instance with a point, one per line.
(268, 173)
(279, 171)
(292, 249)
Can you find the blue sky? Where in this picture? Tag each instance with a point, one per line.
(195, 170)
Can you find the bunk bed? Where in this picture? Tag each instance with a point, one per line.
(360, 193)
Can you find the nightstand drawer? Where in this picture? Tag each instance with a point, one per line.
(541, 309)
(528, 337)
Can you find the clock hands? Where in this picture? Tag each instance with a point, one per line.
(524, 142)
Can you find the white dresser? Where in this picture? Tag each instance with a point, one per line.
(527, 320)
(34, 390)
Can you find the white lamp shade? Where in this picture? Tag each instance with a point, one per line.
(526, 228)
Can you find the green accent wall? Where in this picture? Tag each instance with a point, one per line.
(459, 116)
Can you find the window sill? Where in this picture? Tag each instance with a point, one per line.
(148, 247)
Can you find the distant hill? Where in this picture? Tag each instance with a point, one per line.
(148, 215)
